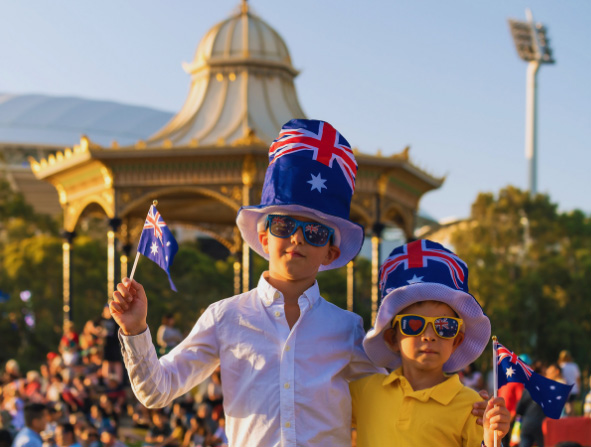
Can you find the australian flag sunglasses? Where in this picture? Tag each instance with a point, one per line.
(315, 233)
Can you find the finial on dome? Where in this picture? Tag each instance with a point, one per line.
(244, 6)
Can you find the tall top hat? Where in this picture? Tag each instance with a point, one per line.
(311, 173)
(423, 270)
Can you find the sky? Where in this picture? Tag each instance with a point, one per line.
(442, 77)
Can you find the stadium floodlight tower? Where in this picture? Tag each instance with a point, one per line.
(533, 47)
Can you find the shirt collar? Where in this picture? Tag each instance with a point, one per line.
(442, 393)
(269, 294)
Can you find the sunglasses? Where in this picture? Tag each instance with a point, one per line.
(315, 233)
(414, 325)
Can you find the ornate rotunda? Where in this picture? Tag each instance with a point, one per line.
(210, 158)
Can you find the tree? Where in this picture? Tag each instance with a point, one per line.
(530, 268)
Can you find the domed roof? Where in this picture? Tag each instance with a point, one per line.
(242, 88)
(244, 37)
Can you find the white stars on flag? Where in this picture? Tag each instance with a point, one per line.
(510, 371)
(154, 248)
(415, 279)
(317, 182)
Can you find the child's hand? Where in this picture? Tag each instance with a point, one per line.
(129, 307)
(496, 419)
(479, 407)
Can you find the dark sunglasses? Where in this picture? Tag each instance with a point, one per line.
(315, 233)
(414, 325)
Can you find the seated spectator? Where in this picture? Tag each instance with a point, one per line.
(109, 438)
(33, 388)
(140, 416)
(12, 372)
(64, 435)
(160, 432)
(115, 392)
(219, 437)
(35, 421)
(14, 405)
(89, 437)
(197, 435)
(99, 420)
(168, 336)
(69, 345)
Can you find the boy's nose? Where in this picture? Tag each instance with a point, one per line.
(298, 237)
(429, 333)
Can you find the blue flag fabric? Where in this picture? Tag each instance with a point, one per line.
(158, 243)
(549, 394)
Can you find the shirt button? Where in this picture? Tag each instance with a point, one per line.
(268, 302)
(287, 424)
(287, 348)
(276, 295)
(286, 386)
(277, 313)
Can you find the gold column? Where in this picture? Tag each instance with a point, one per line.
(375, 269)
(377, 229)
(67, 274)
(110, 262)
(237, 281)
(124, 258)
(350, 285)
(248, 177)
(112, 255)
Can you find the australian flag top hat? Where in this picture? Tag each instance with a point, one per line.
(423, 270)
(311, 173)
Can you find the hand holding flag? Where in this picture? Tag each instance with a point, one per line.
(549, 394)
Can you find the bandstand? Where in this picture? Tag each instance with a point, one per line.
(210, 159)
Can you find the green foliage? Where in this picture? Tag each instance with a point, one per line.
(530, 268)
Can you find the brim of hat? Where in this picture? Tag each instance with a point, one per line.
(476, 323)
(351, 233)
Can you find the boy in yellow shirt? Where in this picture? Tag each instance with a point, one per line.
(428, 326)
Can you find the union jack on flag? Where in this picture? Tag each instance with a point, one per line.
(154, 221)
(324, 143)
(503, 353)
(549, 394)
(158, 243)
(416, 255)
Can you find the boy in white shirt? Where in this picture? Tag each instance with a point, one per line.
(286, 355)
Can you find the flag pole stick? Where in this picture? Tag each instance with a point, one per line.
(495, 377)
(137, 257)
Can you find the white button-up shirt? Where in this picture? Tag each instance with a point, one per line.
(281, 387)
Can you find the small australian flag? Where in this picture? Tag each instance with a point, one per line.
(549, 394)
(158, 243)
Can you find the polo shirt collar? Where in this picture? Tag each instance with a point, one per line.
(269, 294)
(442, 393)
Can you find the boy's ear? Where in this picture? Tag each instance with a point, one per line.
(333, 253)
(264, 240)
(458, 340)
(390, 339)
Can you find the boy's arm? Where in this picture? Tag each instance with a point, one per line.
(156, 382)
(360, 365)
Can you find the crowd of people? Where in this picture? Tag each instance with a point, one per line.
(80, 397)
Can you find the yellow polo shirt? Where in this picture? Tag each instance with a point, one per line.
(388, 412)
